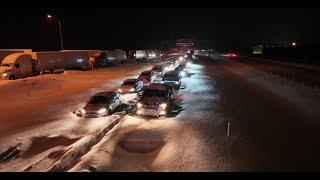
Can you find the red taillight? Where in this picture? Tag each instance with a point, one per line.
(232, 55)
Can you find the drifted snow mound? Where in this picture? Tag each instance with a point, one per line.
(82, 146)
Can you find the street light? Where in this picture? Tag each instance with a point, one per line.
(60, 31)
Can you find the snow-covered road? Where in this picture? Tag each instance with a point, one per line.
(270, 129)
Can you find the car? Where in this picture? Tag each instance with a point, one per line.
(101, 104)
(146, 77)
(170, 67)
(155, 101)
(172, 79)
(131, 86)
(230, 55)
(181, 70)
(158, 70)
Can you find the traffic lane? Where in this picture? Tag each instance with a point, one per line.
(56, 116)
(57, 104)
(174, 143)
(298, 74)
(63, 125)
(270, 133)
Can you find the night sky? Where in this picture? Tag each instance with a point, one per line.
(132, 28)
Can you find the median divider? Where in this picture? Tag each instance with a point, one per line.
(83, 146)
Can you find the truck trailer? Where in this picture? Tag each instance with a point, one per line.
(148, 55)
(111, 57)
(25, 64)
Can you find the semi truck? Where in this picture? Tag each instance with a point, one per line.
(111, 57)
(146, 55)
(25, 64)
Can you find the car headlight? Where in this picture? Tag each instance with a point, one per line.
(132, 90)
(4, 74)
(182, 74)
(103, 110)
(83, 111)
(176, 82)
(139, 105)
(163, 105)
(119, 90)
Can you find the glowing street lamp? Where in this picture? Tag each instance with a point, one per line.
(60, 31)
(294, 44)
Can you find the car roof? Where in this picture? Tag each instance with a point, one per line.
(131, 80)
(157, 86)
(105, 94)
(172, 73)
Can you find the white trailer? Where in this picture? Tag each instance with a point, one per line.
(116, 56)
(76, 59)
(48, 62)
(148, 55)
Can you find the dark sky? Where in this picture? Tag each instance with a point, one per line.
(103, 28)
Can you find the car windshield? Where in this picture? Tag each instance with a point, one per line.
(156, 68)
(171, 77)
(145, 74)
(129, 82)
(154, 93)
(98, 100)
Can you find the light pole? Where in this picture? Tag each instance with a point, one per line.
(60, 31)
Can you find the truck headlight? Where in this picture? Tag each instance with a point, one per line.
(162, 112)
(83, 111)
(103, 110)
(163, 105)
(139, 105)
(131, 90)
(4, 74)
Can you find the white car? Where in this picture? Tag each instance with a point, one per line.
(101, 104)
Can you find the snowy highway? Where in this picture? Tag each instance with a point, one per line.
(273, 123)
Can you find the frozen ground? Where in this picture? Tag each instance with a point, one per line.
(44, 116)
(273, 127)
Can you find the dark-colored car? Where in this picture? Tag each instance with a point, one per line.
(146, 77)
(131, 86)
(101, 104)
(172, 79)
(155, 100)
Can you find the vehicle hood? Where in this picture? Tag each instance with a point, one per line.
(4, 69)
(94, 107)
(153, 100)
